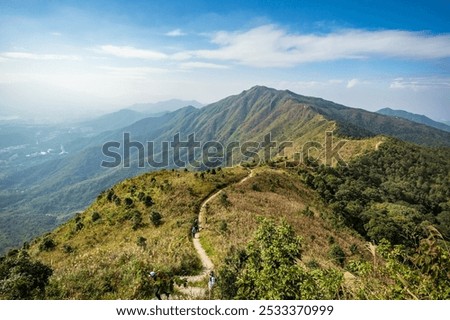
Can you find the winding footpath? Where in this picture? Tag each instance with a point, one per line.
(193, 291)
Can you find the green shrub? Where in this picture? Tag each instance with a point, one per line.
(148, 201)
(67, 248)
(337, 255)
(223, 226)
(141, 242)
(78, 226)
(137, 220)
(354, 248)
(128, 202)
(256, 188)
(308, 212)
(224, 199)
(22, 278)
(312, 264)
(95, 216)
(47, 244)
(156, 218)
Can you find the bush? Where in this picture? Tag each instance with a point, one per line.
(256, 188)
(137, 220)
(141, 242)
(337, 254)
(47, 244)
(95, 216)
(148, 201)
(155, 218)
(223, 226)
(128, 202)
(313, 264)
(79, 225)
(224, 199)
(354, 248)
(308, 212)
(110, 195)
(22, 278)
(67, 248)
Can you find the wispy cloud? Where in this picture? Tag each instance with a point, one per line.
(131, 52)
(133, 72)
(175, 33)
(420, 83)
(202, 65)
(36, 56)
(271, 46)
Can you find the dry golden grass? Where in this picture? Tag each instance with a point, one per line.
(278, 195)
(103, 260)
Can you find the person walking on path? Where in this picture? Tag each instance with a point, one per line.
(211, 283)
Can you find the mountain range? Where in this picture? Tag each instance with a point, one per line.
(415, 118)
(37, 198)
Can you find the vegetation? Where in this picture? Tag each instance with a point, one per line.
(269, 269)
(393, 193)
(21, 277)
(111, 257)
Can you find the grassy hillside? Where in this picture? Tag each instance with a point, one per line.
(232, 218)
(107, 251)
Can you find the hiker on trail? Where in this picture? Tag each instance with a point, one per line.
(162, 284)
(211, 282)
(195, 228)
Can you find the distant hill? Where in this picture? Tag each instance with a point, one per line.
(164, 106)
(125, 117)
(114, 121)
(415, 118)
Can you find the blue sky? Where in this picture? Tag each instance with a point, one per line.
(74, 58)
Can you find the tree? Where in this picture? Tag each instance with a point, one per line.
(421, 274)
(337, 254)
(156, 218)
(269, 269)
(137, 220)
(22, 278)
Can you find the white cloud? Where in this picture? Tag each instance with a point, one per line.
(202, 65)
(352, 83)
(271, 46)
(175, 33)
(56, 34)
(420, 83)
(131, 52)
(133, 72)
(36, 56)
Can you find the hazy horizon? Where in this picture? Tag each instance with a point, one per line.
(73, 59)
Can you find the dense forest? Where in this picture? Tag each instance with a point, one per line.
(393, 193)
